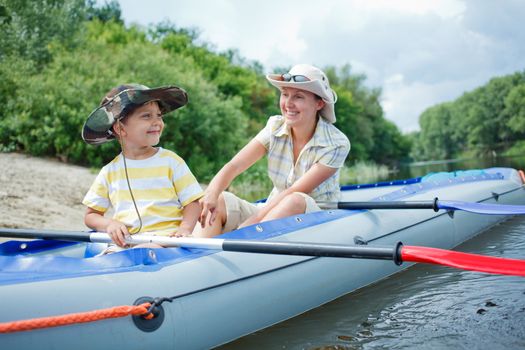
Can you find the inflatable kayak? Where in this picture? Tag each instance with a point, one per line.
(213, 296)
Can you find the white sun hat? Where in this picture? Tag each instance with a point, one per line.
(309, 78)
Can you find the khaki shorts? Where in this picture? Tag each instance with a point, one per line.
(239, 210)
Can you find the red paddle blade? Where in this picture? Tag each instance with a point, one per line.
(465, 261)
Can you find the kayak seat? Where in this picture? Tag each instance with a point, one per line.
(93, 249)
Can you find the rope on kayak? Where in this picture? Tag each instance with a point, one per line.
(142, 310)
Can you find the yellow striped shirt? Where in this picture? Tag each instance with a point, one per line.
(162, 186)
(328, 146)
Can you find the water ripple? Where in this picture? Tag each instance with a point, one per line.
(425, 307)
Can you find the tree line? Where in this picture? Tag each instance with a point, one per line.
(59, 57)
(490, 120)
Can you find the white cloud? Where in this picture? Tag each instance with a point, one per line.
(403, 99)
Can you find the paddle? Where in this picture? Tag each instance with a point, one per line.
(436, 205)
(398, 253)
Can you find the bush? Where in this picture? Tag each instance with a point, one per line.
(46, 115)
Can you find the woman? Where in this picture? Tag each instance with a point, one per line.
(305, 152)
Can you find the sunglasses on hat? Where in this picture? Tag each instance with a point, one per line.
(296, 78)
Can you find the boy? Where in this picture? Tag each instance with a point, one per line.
(150, 189)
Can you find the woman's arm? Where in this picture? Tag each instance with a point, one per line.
(246, 157)
(315, 176)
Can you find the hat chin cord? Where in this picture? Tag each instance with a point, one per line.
(121, 141)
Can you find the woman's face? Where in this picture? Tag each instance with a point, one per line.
(299, 107)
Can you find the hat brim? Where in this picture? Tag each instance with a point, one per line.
(97, 128)
(313, 86)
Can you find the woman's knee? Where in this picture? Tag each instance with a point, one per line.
(295, 203)
(210, 229)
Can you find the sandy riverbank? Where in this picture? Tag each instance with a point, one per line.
(42, 193)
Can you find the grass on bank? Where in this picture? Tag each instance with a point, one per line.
(518, 149)
(254, 184)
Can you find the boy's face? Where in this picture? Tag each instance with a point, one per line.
(143, 127)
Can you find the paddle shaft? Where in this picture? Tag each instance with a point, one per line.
(315, 249)
(382, 205)
(436, 205)
(398, 253)
(230, 245)
(75, 236)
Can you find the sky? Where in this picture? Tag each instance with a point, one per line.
(419, 52)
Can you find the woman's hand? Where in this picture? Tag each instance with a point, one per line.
(209, 204)
(244, 159)
(118, 233)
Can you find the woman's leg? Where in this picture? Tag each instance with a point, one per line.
(216, 227)
(292, 204)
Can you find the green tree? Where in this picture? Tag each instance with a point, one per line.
(435, 138)
(360, 117)
(515, 110)
(483, 121)
(29, 27)
(228, 71)
(46, 117)
(50, 85)
(109, 12)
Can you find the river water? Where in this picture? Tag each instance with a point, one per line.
(423, 307)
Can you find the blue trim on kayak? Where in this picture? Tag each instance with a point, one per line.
(26, 268)
(10, 248)
(18, 266)
(433, 183)
(491, 173)
(381, 184)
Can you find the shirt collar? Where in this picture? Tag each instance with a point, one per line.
(319, 138)
(320, 135)
(282, 130)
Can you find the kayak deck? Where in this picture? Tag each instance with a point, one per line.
(22, 260)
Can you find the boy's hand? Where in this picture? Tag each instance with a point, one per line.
(118, 233)
(181, 233)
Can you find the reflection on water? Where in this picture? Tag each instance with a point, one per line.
(424, 307)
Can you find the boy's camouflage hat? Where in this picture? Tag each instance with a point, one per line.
(97, 128)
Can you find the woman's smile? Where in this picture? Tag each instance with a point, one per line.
(292, 114)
